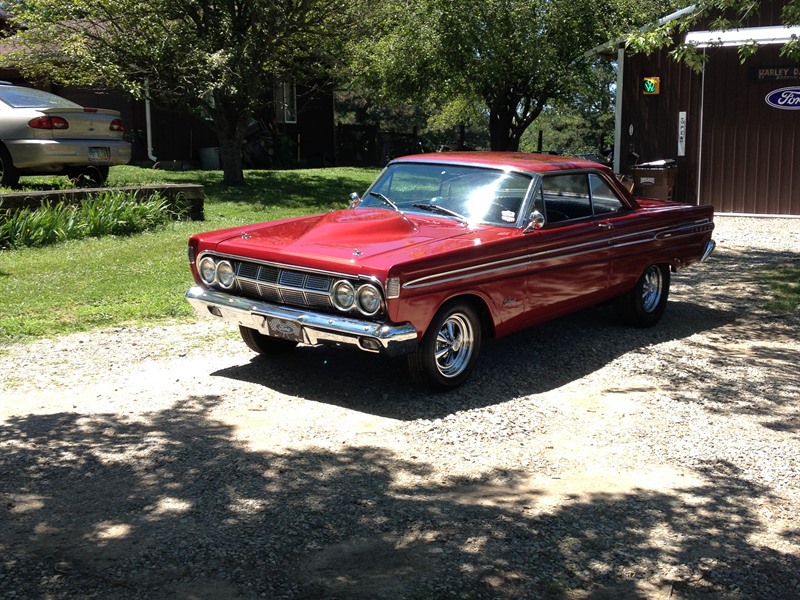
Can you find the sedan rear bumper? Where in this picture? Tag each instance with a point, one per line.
(49, 154)
(304, 326)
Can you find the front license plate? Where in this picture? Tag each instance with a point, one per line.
(99, 153)
(287, 330)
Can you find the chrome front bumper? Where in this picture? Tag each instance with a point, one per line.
(303, 325)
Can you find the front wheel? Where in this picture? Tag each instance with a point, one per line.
(449, 349)
(646, 302)
(265, 344)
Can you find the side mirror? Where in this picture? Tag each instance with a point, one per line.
(536, 221)
(355, 200)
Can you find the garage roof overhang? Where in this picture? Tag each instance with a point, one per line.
(742, 37)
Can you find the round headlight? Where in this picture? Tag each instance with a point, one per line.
(207, 270)
(344, 295)
(369, 299)
(225, 274)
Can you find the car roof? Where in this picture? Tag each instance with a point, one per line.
(537, 163)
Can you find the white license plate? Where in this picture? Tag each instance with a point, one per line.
(99, 154)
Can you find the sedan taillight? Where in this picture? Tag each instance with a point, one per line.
(48, 122)
(117, 125)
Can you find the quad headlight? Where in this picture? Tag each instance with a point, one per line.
(344, 295)
(212, 272)
(207, 269)
(368, 299)
(225, 274)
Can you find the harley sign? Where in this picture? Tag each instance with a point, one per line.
(787, 98)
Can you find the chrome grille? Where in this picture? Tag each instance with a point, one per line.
(287, 286)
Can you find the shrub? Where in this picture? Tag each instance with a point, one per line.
(110, 213)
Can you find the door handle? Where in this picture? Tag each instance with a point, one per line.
(606, 225)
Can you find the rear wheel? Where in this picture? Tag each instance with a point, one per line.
(449, 349)
(9, 175)
(265, 344)
(646, 302)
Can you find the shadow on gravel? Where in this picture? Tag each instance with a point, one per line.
(724, 294)
(174, 508)
(534, 361)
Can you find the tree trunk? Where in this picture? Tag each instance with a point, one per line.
(230, 125)
(500, 130)
(230, 152)
(506, 126)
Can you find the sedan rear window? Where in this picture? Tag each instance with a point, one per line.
(17, 97)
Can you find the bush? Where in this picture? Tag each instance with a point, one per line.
(111, 213)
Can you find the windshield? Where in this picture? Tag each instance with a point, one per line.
(19, 97)
(472, 194)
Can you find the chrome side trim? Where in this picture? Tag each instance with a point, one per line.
(316, 328)
(620, 241)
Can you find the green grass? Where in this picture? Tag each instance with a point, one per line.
(784, 284)
(114, 281)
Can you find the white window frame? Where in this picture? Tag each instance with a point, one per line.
(285, 102)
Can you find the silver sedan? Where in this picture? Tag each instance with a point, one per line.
(45, 134)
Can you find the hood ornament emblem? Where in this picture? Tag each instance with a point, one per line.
(245, 236)
(357, 252)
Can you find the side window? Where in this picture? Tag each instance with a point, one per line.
(566, 197)
(604, 200)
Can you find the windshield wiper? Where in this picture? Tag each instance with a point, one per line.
(442, 210)
(385, 199)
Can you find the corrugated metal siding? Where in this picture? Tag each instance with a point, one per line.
(653, 120)
(751, 151)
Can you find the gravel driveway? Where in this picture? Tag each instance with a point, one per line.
(583, 460)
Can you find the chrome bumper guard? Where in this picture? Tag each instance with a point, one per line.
(709, 249)
(302, 325)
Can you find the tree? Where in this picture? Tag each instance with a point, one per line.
(714, 15)
(582, 123)
(215, 59)
(510, 57)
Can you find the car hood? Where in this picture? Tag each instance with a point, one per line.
(362, 236)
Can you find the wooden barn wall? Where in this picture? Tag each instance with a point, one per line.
(751, 151)
(650, 123)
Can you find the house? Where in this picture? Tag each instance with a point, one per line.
(298, 129)
(733, 130)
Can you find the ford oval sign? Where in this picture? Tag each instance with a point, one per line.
(787, 98)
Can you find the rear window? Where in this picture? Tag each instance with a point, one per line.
(18, 97)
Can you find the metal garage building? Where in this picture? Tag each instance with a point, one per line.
(733, 130)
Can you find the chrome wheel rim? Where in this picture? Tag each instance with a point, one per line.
(652, 288)
(455, 343)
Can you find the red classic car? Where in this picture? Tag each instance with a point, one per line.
(445, 250)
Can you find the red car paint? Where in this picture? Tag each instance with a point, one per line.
(512, 273)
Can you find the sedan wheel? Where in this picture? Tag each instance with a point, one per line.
(646, 302)
(449, 349)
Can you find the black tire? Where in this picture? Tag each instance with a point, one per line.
(449, 349)
(9, 174)
(646, 302)
(92, 176)
(265, 344)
